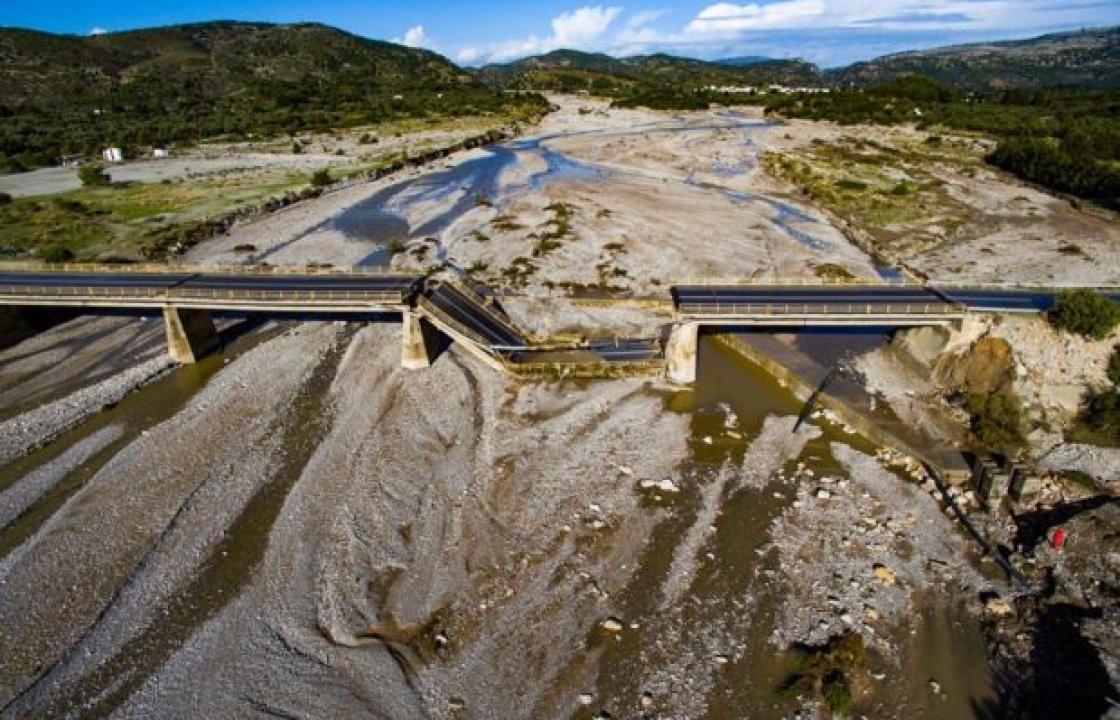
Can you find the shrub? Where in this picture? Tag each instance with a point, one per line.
(321, 177)
(93, 176)
(297, 148)
(997, 419)
(1102, 413)
(1114, 366)
(245, 247)
(828, 669)
(1086, 313)
(57, 254)
(850, 184)
(5, 198)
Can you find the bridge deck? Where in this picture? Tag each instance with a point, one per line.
(217, 290)
(762, 301)
(871, 302)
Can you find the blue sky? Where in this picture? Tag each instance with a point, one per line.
(472, 32)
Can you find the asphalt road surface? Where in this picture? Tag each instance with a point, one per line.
(186, 282)
(975, 299)
(474, 316)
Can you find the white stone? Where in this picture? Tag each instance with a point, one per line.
(613, 625)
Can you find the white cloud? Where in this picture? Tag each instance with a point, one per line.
(582, 28)
(723, 18)
(98, 31)
(469, 54)
(415, 37)
(744, 27)
(644, 17)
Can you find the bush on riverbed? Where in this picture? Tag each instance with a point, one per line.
(1086, 313)
(997, 418)
(828, 671)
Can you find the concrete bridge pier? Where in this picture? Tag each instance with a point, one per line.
(190, 334)
(681, 351)
(420, 341)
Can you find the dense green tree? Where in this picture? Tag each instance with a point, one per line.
(1086, 313)
(997, 418)
(93, 176)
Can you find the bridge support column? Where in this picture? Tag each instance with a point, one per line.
(190, 334)
(419, 342)
(680, 352)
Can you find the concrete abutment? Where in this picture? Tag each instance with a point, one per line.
(420, 341)
(191, 334)
(680, 352)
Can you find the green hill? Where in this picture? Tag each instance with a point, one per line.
(1087, 59)
(63, 94)
(571, 70)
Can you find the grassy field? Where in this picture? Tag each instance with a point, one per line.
(137, 221)
(890, 189)
(127, 222)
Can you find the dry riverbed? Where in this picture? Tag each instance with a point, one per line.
(306, 529)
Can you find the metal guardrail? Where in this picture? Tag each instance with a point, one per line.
(202, 269)
(189, 293)
(432, 309)
(793, 282)
(473, 297)
(592, 367)
(821, 309)
(1031, 287)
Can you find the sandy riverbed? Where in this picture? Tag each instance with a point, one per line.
(318, 532)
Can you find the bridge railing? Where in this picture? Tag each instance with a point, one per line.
(437, 313)
(779, 309)
(155, 294)
(792, 282)
(202, 268)
(491, 313)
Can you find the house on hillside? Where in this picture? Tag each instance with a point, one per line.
(112, 154)
(161, 152)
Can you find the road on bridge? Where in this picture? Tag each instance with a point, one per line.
(836, 298)
(172, 284)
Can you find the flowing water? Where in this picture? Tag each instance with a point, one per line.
(724, 592)
(384, 219)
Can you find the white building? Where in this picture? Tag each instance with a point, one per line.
(161, 153)
(112, 154)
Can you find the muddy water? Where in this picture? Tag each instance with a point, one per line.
(136, 412)
(725, 594)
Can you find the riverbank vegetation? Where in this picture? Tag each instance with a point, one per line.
(1064, 140)
(1085, 313)
(189, 83)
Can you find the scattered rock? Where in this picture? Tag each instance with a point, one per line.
(998, 607)
(586, 699)
(884, 574)
(612, 624)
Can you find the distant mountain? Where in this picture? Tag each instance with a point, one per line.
(64, 93)
(743, 61)
(1083, 59)
(571, 70)
(208, 60)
